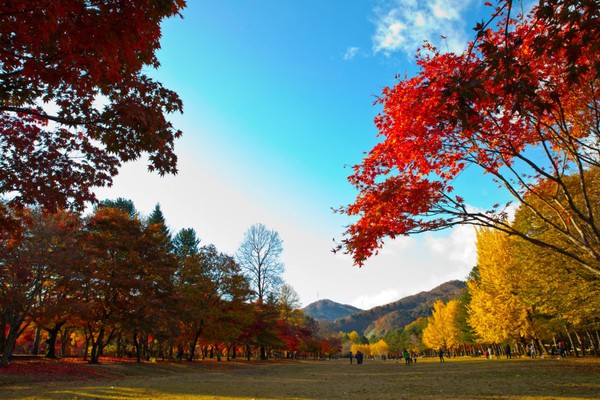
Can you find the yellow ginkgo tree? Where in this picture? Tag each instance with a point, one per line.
(442, 331)
(497, 312)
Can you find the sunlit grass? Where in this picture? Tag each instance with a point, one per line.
(462, 378)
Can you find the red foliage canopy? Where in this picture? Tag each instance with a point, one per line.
(74, 103)
(528, 87)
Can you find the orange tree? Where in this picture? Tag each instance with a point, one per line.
(113, 280)
(522, 104)
(35, 265)
(74, 102)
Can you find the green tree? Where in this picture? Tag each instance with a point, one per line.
(157, 218)
(185, 243)
(122, 204)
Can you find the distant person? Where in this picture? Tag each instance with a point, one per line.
(351, 357)
(441, 355)
(531, 350)
(507, 351)
(359, 357)
(561, 349)
(414, 357)
(180, 352)
(406, 357)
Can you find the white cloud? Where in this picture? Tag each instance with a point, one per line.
(406, 24)
(367, 302)
(458, 247)
(351, 52)
(403, 267)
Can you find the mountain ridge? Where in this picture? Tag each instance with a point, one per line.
(385, 318)
(329, 310)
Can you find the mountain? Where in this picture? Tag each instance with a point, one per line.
(383, 319)
(329, 310)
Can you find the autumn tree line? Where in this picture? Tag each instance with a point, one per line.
(116, 283)
(521, 104)
(519, 296)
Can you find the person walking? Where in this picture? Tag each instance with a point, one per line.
(406, 357)
(441, 355)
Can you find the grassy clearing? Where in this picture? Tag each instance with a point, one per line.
(464, 378)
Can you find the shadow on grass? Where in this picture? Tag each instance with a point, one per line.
(456, 379)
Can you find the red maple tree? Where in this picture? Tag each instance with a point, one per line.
(521, 104)
(74, 101)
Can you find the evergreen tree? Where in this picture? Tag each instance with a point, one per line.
(121, 204)
(157, 217)
(185, 243)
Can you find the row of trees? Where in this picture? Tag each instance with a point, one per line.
(518, 294)
(116, 279)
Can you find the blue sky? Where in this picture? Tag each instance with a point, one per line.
(278, 99)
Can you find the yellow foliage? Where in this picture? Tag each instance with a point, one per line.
(380, 348)
(442, 331)
(363, 348)
(373, 349)
(497, 312)
(353, 336)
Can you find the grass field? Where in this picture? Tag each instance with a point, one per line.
(463, 378)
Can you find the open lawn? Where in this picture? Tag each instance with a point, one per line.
(462, 378)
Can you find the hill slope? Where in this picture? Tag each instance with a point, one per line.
(398, 314)
(329, 310)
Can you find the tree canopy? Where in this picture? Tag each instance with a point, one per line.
(522, 104)
(75, 102)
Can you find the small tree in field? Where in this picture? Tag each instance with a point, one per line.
(442, 331)
(522, 104)
(259, 257)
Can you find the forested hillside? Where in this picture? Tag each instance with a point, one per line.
(329, 310)
(386, 318)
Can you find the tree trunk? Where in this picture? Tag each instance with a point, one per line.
(171, 344)
(543, 349)
(193, 347)
(218, 352)
(121, 351)
(65, 342)
(571, 342)
(145, 349)
(2, 331)
(15, 328)
(97, 346)
(87, 345)
(36, 341)
(592, 343)
(263, 353)
(136, 343)
(580, 343)
(51, 341)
